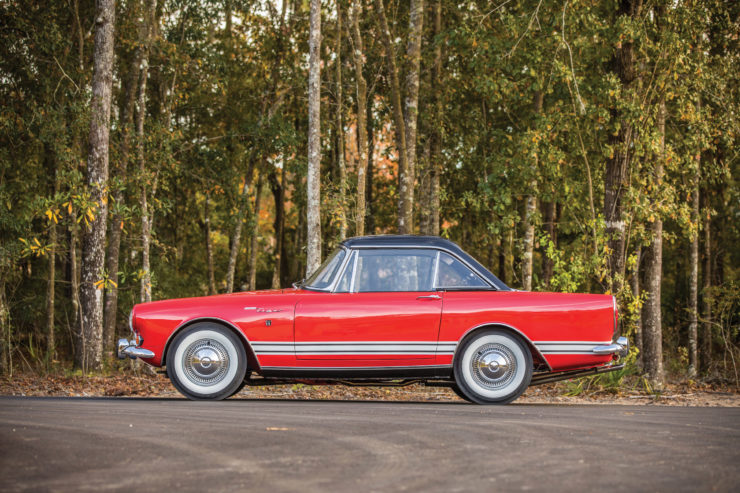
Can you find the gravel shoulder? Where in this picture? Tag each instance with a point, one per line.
(157, 385)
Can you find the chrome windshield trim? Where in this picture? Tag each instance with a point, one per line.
(436, 271)
(335, 281)
(342, 270)
(355, 256)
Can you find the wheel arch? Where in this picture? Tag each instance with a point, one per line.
(252, 361)
(537, 357)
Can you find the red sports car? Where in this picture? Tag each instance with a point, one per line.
(381, 310)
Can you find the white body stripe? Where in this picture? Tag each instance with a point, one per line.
(327, 348)
(354, 347)
(568, 347)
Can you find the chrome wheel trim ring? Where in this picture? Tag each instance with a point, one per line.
(206, 377)
(206, 362)
(497, 384)
(493, 366)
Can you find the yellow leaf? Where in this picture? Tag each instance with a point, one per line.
(37, 241)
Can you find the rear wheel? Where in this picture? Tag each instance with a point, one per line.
(206, 362)
(493, 367)
(460, 393)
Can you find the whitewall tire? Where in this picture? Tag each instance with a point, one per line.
(206, 361)
(493, 367)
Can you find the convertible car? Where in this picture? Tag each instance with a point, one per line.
(381, 310)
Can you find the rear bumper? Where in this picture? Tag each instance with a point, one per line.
(621, 347)
(129, 349)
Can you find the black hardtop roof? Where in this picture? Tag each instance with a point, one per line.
(400, 240)
(423, 241)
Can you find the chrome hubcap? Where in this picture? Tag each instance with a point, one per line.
(206, 362)
(494, 366)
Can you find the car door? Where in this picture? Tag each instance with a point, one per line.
(384, 308)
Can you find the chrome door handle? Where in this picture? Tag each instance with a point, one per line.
(429, 297)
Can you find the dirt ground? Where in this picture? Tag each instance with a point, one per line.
(157, 385)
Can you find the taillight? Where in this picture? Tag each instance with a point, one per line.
(616, 317)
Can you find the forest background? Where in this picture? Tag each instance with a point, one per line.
(570, 145)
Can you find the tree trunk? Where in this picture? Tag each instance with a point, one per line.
(550, 210)
(278, 193)
(405, 208)
(694, 288)
(253, 239)
(707, 285)
(435, 150)
(313, 210)
(51, 291)
(236, 235)
(369, 174)
(93, 250)
(615, 176)
(694, 272)
(411, 113)
(116, 224)
(506, 258)
(5, 330)
(146, 226)
(340, 132)
(74, 285)
(652, 320)
(635, 287)
(530, 210)
(209, 245)
(362, 104)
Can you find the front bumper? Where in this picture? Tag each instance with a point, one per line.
(130, 349)
(621, 347)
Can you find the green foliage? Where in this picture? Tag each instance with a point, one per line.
(226, 106)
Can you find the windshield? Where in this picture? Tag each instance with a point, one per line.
(324, 277)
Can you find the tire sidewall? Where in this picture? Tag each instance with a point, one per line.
(474, 392)
(234, 347)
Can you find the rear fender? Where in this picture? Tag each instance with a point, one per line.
(537, 358)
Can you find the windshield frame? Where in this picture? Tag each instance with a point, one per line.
(337, 273)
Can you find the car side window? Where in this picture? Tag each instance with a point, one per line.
(394, 270)
(453, 274)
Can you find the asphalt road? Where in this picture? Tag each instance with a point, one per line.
(74, 444)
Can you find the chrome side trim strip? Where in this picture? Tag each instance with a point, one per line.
(354, 347)
(370, 368)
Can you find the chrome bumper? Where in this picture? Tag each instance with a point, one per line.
(621, 347)
(130, 349)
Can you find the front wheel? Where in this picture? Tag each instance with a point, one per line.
(206, 362)
(493, 367)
